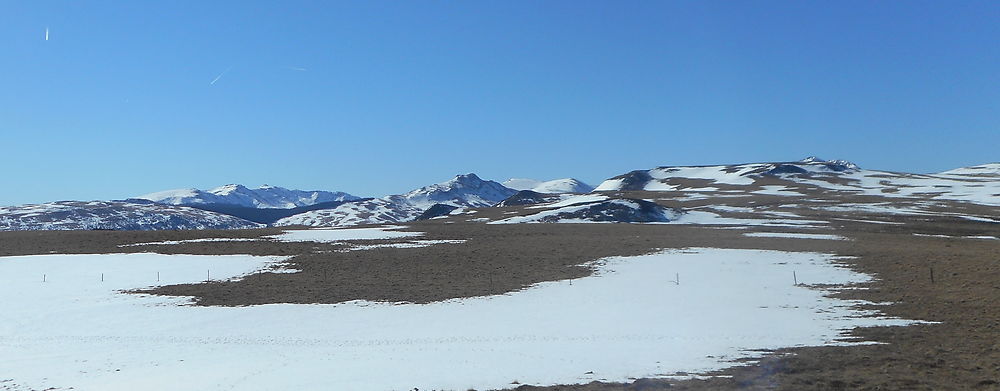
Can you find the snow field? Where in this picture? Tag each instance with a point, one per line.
(633, 318)
(338, 234)
(793, 235)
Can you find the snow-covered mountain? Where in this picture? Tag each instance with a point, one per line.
(114, 215)
(978, 184)
(374, 211)
(621, 210)
(565, 185)
(463, 191)
(261, 197)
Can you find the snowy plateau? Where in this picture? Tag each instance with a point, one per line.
(541, 335)
(978, 184)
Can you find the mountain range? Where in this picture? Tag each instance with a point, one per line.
(114, 215)
(463, 191)
(262, 197)
(623, 198)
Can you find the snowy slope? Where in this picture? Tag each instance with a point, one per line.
(984, 170)
(521, 183)
(462, 191)
(116, 215)
(262, 197)
(979, 184)
(391, 209)
(565, 185)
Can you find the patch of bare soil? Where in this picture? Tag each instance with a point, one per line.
(494, 259)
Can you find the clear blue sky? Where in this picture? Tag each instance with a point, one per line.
(376, 98)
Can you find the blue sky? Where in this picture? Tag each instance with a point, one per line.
(374, 97)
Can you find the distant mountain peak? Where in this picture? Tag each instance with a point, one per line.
(470, 177)
(227, 189)
(842, 164)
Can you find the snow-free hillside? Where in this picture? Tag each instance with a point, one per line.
(528, 197)
(464, 191)
(565, 185)
(978, 184)
(261, 197)
(114, 215)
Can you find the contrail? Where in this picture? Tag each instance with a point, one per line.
(212, 83)
(300, 69)
(46, 33)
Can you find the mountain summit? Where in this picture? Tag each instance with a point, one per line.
(467, 190)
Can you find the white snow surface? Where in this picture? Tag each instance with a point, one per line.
(564, 185)
(340, 234)
(203, 240)
(984, 237)
(794, 235)
(701, 217)
(629, 320)
(408, 244)
(991, 169)
(521, 183)
(777, 190)
(262, 197)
